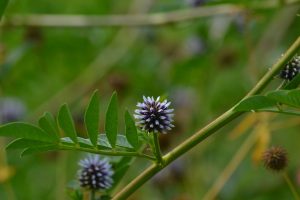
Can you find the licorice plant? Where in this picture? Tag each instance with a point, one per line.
(112, 153)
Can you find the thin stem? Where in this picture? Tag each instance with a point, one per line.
(266, 79)
(104, 152)
(158, 154)
(207, 130)
(155, 19)
(231, 167)
(81, 21)
(92, 195)
(291, 185)
(137, 182)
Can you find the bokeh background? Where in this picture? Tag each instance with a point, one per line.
(203, 65)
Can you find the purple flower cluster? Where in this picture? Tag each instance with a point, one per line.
(154, 116)
(95, 173)
(291, 69)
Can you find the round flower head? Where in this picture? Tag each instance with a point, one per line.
(11, 109)
(154, 116)
(275, 158)
(291, 69)
(95, 173)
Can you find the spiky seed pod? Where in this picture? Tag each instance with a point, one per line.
(95, 173)
(154, 116)
(291, 69)
(275, 158)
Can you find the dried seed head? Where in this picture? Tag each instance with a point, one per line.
(154, 116)
(291, 69)
(275, 158)
(95, 173)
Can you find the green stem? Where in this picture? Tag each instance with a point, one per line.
(207, 130)
(92, 195)
(104, 152)
(291, 186)
(157, 152)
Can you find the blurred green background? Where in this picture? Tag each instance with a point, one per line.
(203, 66)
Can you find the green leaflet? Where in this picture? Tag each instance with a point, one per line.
(121, 141)
(275, 110)
(83, 142)
(22, 143)
(48, 124)
(255, 103)
(24, 130)
(33, 150)
(288, 97)
(66, 122)
(91, 118)
(131, 131)
(111, 121)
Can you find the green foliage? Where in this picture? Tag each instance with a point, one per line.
(91, 118)
(39, 149)
(82, 142)
(255, 103)
(131, 131)
(234, 50)
(111, 121)
(272, 102)
(3, 5)
(121, 141)
(66, 122)
(46, 137)
(48, 124)
(24, 130)
(288, 97)
(22, 143)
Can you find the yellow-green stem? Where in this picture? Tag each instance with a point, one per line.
(157, 152)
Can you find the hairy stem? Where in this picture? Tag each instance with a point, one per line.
(207, 130)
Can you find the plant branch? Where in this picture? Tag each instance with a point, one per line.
(80, 21)
(209, 129)
(155, 19)
(273, 71)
